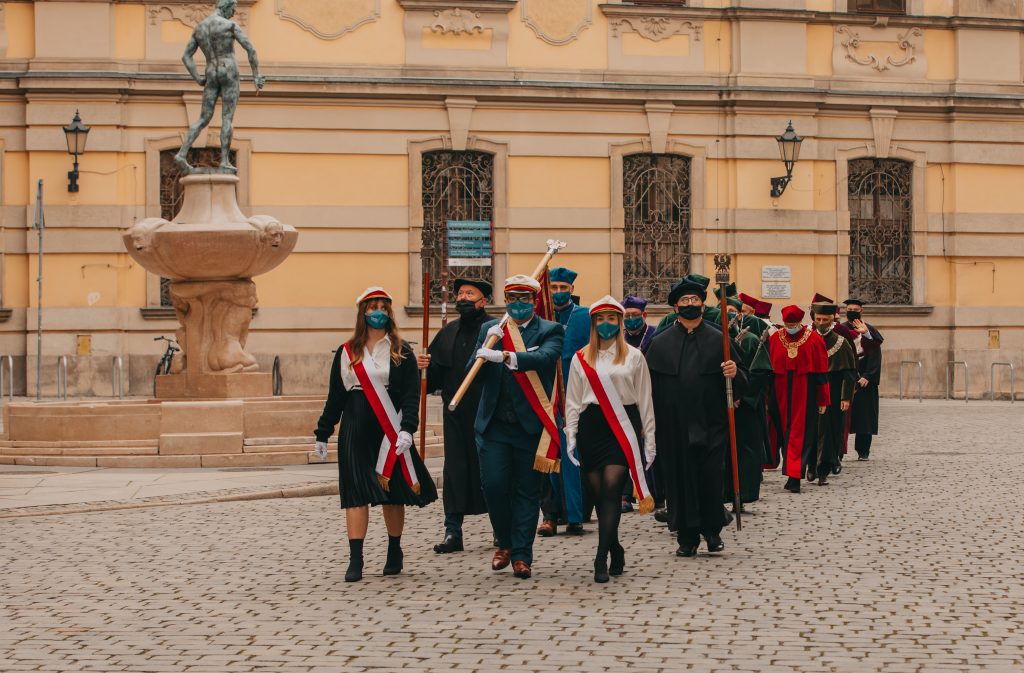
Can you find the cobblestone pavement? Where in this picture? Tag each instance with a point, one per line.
(909, 562)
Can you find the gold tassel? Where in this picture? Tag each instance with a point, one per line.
(544, 464)
(646, 505)
(384, 482)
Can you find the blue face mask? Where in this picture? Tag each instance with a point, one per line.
(377, 319)
(607, 330)
(635, 323)
(793, 331)
(519, 310)
(561, 298)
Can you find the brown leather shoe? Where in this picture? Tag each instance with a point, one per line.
(501, 559)
(547, 529)
(521, 569)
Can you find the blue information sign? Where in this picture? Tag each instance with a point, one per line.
(469, 243)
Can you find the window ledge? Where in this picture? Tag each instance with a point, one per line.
(416, 311)
(896, 309)
(164, 313)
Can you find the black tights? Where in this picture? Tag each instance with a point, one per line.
(605, 485)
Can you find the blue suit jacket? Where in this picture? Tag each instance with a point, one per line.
(543, 341)
(577, 334)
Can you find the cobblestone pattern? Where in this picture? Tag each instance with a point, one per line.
(911, 562)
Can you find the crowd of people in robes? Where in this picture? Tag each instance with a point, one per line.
(596, 412)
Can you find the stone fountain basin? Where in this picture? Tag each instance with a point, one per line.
(221, 251)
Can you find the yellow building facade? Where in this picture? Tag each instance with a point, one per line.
(641, 133)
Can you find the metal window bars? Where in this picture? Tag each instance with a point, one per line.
(920, 378)
(7, 360)
(275, 377)
(950, 369)
(116, 377)
(991, 381)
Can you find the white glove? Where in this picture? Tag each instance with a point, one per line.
(651, 453)
(496, 331)
(321, 450)
(404, 443)
(571, 452)
(490, 355)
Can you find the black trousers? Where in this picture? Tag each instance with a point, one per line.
(862, 443)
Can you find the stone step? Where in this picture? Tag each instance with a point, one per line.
(156, 461)
(80, 451)
(78, 444)
(200, 443)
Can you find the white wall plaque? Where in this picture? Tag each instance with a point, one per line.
(776, 274)
(775, 290)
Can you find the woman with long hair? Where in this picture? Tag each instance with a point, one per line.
(374, 390)
(610, 417)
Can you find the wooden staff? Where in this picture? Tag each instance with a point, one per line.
(553, 248)
(423, 374)
(722, 263)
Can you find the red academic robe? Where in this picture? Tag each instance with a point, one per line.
(801, 385)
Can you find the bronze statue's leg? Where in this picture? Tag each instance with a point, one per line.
(210, 94)
(228, 103)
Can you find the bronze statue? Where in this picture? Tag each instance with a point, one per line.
(215, 36)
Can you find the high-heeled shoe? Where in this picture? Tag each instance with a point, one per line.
(355, 570)
(618, 563)
(601, 568)
(394, 562)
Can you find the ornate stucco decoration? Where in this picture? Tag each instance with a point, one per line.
(190, 14)
(329, 20)
(557, 22)
(656, 28)
(457, 21)
(851, 41)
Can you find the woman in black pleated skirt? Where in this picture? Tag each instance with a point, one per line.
(377, 346)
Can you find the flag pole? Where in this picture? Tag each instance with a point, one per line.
(553, 248)
(722, 263)
(423, 375)
(40, 224)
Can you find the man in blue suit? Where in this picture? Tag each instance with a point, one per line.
(563, 497)
(508, 429)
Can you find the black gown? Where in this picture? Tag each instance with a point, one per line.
(450, 352)
(864, 414)
(842, 373)
(688, 391)
(360, 437)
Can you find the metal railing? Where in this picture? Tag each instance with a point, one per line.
(116, 377)
(920, 378)
(62, 377)
(950, 367)
(992, 380)
(275, 377)
(9, 361)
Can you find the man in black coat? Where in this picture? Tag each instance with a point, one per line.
(688, 373)
(868, 343)
(449, 352)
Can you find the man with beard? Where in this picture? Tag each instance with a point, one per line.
(868, 343)
(842, 371)
(688, 372)
(446, 360)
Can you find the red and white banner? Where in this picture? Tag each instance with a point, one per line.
(618, 420)
(546, 459)
(391, 422)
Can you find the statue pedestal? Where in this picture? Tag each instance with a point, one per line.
(211, 252)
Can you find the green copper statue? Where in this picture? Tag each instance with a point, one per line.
(215, 37)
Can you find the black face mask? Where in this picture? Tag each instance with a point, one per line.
(466, 308)
(853, 315)
(690, 311)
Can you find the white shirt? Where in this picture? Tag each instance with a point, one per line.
(377, 365)
(632, 380)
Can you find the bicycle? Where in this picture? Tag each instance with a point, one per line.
(164, 366)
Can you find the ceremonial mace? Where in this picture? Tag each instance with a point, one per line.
(423, 375)
(553, 248)
(722, 263)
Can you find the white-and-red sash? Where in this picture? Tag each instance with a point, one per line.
(615, 414)
(390, 421)
(546, 459)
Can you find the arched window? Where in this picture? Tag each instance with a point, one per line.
(171, 191)
(457, 186)
(881, 246)
(656, 200)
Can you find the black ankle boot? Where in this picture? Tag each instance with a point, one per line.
(618, 563)
(355, 563)
(601, 569)
(393, 564)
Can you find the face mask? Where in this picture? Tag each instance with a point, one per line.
(607, 330)
(690, 311)
(377, 319)
(824, 330)
(793, 331)
(519, 310)
(853, 315)
(635, 323)
(466, 308)
(561, 298)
